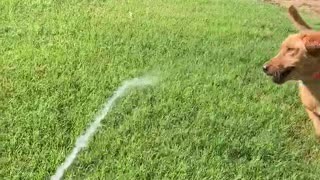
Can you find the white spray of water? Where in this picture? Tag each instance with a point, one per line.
(83, 139)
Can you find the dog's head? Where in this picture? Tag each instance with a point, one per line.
(299, 55)
(298, 58)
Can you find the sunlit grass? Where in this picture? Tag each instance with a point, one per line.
(214, 115)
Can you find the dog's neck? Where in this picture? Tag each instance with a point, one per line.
(313, 82)
(312, 86)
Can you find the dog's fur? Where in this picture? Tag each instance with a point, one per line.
(299, 60)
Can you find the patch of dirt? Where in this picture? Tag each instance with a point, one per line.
(312, 6)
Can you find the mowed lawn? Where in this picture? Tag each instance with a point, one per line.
(214, 115)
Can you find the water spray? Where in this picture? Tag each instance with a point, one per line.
(83, 139)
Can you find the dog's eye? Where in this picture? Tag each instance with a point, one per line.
(290, 49)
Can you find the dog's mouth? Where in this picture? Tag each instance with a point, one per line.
(280, 76)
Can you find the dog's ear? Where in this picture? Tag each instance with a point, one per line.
(312, 43)
(297, 19)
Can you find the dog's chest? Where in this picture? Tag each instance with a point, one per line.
(311, 100)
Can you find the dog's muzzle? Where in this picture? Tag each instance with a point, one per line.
(278, 76)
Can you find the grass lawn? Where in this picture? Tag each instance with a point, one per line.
(214, 115)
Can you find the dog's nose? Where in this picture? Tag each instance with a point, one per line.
(265, 68)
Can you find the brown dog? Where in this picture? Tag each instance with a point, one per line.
(299, 60)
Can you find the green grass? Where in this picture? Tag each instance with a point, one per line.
(213, 116)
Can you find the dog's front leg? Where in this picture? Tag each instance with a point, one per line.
(315, 118)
